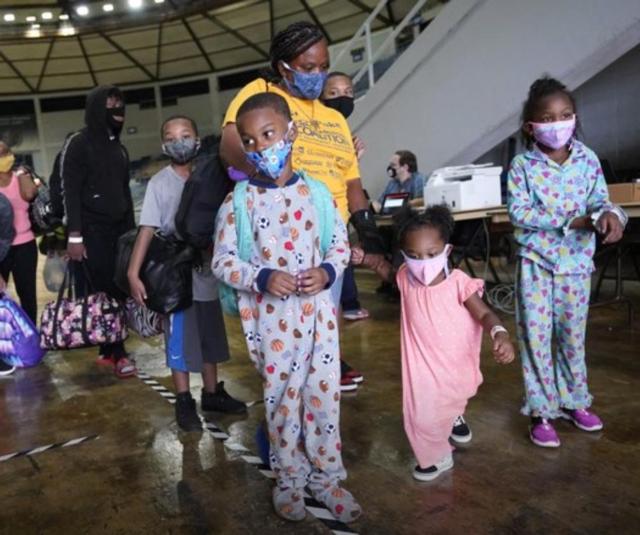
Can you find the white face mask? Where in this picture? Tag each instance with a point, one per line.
(427, 269)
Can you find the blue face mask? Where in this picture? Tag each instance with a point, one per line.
(306, 85)
(271, 161)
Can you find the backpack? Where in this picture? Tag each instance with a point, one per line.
(201, 198)
(322, 201)
(19, 337)
(41, 212)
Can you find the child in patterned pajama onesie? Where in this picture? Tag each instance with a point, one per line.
(557, 199)
(287, 313)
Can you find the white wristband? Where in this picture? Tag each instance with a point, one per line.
(75, 239)
(497, 329)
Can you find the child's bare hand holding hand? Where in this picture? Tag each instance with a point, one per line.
(503, 350)
(357, 256)
(281, 284)
(313, 281)
(137, 289)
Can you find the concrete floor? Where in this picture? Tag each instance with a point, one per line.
(142, 476)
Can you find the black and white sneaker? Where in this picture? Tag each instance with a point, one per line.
(461, 432)
(221, 401)
(6, 369)
(432, 472)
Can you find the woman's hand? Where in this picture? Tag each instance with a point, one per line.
(503, 350)
(76, 251)
(360, 147)
(610, 227)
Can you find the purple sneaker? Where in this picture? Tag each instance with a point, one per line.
(542, 433)
(583, 419)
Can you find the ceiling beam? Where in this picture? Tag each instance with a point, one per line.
(159, 51)
(367, 9)
(272, 20)
(392, 16)
(127, 55)
(88, 62)
(316, 20)
(199, 45)
(17, 72)
(236, 34)
(44, 64)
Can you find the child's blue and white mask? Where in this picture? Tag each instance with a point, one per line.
(271, 161)
(306, 85)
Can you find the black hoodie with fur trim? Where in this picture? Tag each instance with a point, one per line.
(94, 167)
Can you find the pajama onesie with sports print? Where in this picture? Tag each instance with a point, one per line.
(554, 273)
(292, 341)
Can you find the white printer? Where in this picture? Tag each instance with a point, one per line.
(465, 187)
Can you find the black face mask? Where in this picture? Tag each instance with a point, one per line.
(391, 171)
(342, 104)
(114, 125)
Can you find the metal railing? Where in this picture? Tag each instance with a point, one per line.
(365, 31)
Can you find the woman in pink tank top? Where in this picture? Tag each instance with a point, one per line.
(22, 259)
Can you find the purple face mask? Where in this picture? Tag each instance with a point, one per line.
(554, 135)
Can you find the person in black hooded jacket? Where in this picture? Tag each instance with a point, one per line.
(94, 167)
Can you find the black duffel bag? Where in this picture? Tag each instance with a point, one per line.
(166, 271)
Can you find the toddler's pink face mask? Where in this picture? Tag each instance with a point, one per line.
(554, 135)
(427, 269)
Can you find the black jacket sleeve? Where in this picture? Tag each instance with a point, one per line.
(129, 215)
(73, 171)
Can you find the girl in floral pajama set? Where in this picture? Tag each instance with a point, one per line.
(287, 313)
(557, 200)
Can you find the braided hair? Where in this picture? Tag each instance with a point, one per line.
(540, 89)
(289, 43)
(437, 217)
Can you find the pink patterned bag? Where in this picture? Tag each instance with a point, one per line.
(71, 322)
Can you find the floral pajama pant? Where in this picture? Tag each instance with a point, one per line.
(552, 308)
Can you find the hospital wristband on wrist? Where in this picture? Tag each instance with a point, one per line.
(497, 329)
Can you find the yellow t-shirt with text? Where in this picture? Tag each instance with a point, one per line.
(323, 148)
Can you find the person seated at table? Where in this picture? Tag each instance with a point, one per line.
(404, 178)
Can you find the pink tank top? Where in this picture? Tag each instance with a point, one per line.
(20, 211)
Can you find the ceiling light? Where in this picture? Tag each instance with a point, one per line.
(34, 32)
(64, 16)
(66, 30)
(31, 19)
(135, 4)
(47, 15)
(107, 7)
(83, 10)
(9, 17)
(159, 1)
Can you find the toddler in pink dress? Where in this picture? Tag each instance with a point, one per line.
(442, 320)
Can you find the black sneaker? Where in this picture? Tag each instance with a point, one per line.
(433, 471)
(6, 369)
(460, 432)
(221, 401)
(186, 414)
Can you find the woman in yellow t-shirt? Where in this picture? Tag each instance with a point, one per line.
(323, 149)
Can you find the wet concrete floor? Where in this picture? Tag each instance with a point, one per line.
(143, 476)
